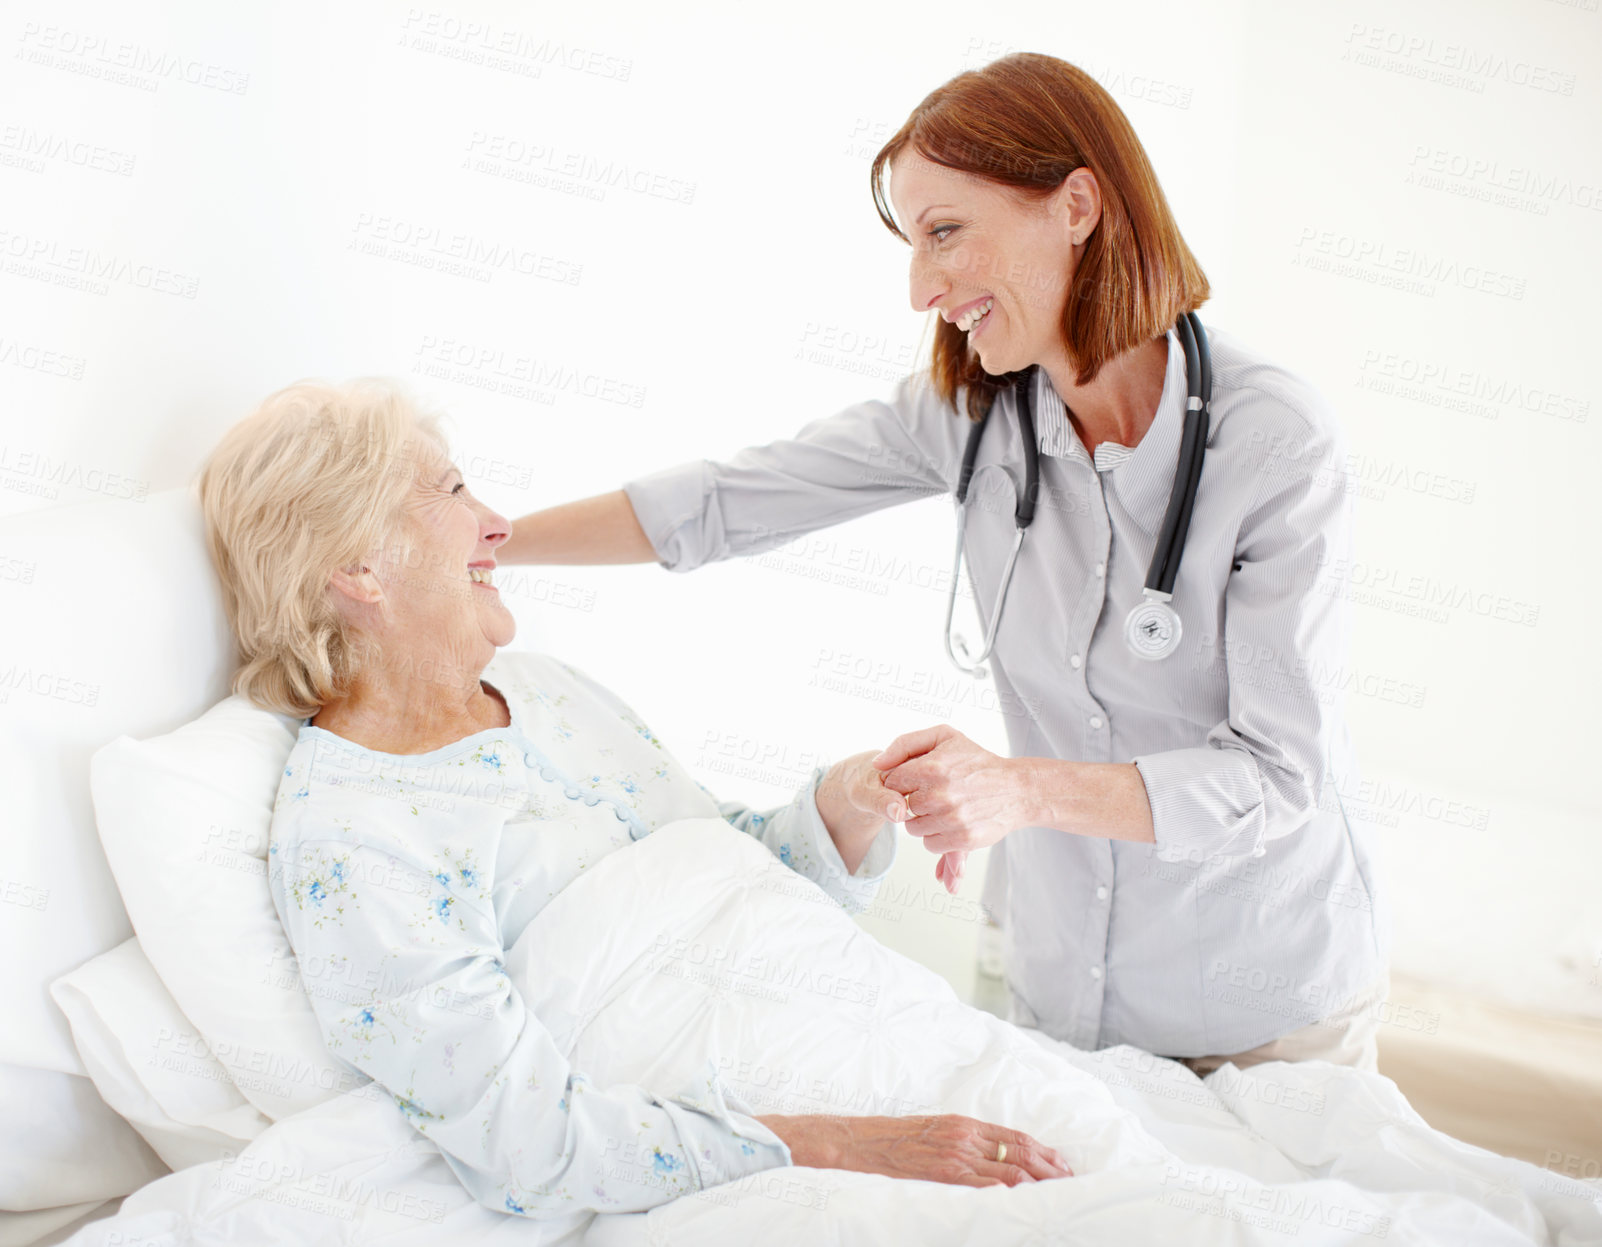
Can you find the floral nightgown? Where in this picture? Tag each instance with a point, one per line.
(402, 880)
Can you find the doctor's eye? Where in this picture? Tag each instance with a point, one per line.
(939, 232)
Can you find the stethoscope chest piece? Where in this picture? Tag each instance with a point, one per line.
(1152, 630)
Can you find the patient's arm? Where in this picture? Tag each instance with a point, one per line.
(947, 1147)
(404, 969)
(855, 805)
(831, 831)
(849, 857)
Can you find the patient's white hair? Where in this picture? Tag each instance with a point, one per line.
(311, 481)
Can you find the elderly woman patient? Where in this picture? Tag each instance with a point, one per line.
(439, 794)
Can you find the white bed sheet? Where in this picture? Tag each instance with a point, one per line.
(695, 947)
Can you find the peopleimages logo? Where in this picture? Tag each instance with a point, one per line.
(1370, 583)
(1263, 666)
(1450, 64)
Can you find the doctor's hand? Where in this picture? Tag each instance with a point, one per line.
(959, 795)
(949, 870)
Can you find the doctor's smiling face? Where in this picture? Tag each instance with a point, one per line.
(995, 261)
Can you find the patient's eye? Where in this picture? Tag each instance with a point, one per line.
(460, 485)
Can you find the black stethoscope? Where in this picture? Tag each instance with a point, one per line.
(1152, 628)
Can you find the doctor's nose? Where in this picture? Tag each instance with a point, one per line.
(925, 287)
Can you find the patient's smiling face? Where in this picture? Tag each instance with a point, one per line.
(446, 576)
(428, 596)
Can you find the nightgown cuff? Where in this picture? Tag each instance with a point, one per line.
(722, 1140)
(855, 892)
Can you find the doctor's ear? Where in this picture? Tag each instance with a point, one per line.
(357, 583)
(1077, 203)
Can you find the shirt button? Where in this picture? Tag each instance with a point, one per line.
(1101, 892)
(1095, 720)
(1073, 661)
(1101, 569)
(1095, 972)
(572, 792)
(1259, 851)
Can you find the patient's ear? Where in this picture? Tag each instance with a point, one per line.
(357, 583)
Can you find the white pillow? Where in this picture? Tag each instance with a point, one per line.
(184, 820)
(79, 672)
(150, 1063)
(61, 1144)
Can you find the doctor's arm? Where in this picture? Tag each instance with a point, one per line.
(963, 797)
(1260, 771)
(863, 458)
(599, 529)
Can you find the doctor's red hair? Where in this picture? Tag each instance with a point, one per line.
(1027, 121)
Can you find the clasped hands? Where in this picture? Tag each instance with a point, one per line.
(943, 788)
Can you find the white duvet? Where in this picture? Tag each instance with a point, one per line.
(696, 948)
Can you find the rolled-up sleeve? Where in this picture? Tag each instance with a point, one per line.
(1259, 774)
(868, 456)
(404, 970)
(797, 835)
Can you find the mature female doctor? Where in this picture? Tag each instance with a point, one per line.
(1172, 865)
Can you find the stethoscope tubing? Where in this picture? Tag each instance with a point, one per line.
(1164, 567)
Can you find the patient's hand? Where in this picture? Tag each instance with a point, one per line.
(854, 804)
(944, 1148)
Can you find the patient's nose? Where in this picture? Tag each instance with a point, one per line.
(494, 529)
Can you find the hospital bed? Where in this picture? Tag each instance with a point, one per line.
(142, 1092)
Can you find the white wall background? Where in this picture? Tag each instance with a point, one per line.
(593, 233)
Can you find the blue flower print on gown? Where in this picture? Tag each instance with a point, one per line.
(402, 882)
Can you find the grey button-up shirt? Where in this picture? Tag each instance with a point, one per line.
(1261, 907)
